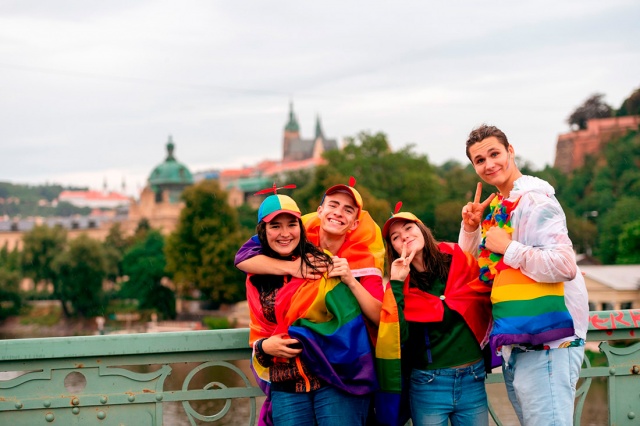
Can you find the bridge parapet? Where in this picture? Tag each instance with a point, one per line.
(130, 379)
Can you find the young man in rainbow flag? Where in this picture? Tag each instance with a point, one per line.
(344, 230)
(540, 303)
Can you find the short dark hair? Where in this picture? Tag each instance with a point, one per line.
(484, 131)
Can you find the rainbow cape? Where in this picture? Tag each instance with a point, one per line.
(525, 312)
(326, 318)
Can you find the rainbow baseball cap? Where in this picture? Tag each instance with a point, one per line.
(396, 216)
(273, 205)
(346, 189)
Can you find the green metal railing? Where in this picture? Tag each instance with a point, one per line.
(131, 379)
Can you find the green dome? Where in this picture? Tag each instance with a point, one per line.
(170, 172)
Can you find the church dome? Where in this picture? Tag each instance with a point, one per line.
(171, 172)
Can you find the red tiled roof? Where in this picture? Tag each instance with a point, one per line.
(92, 195)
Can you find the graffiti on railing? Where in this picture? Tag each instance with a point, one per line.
(616, 320)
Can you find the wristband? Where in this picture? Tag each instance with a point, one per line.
(259, 346)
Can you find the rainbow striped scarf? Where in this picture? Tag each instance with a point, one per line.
(525, 312)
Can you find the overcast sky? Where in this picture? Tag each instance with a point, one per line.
(91, 90)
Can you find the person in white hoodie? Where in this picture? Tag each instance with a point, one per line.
(526, 232)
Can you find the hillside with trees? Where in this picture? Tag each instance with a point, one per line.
(601, 200)
(18, 200)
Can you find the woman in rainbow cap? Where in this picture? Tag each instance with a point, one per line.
(445, 318)
(312, 355)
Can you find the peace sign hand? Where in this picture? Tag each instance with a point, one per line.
(472, 211)
(401, 266)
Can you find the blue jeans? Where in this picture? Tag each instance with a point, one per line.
(327, 406)
(542, 384)
(449, 394)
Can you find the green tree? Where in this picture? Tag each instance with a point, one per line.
(41, 245)
(115, 245)
(593, 107)
(459, 182)
(201, 251)
(578, 187)
(80, 271)
(10, 274)
(582, 230)
(10, 259)
(448, 216)
(247, 216)
(144, 265)
(623, 162)
(141, 231)
(631, 105)
(610, 226)
(629, 244)
(10, 299)
(387, 175)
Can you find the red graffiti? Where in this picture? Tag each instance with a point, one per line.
(619, 318)
(599, 323)
(616, 319)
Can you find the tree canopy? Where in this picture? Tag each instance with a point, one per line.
(80, 270)
(201, 251)
(144, 266)
(593, 107)
(631, 105)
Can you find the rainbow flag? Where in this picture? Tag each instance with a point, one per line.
(391, 401)
(336, 345)
(327, 320)
(527, 312)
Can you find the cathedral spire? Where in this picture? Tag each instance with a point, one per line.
(319, 133)
(292, 125)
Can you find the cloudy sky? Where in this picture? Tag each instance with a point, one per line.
(91, 90)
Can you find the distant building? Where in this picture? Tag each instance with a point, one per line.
(94, 199)
(573, 147)
(297, 154)
(241, 184)
(294, 148)
(159, 204)
(612, 287)
(160, 200)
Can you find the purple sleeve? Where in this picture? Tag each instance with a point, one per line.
(248, 250)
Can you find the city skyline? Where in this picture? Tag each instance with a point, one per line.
(92, 91)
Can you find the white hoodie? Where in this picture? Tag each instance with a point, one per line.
(541, 247)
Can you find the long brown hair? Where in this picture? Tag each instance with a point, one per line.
(436, 263)
(305, 250)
